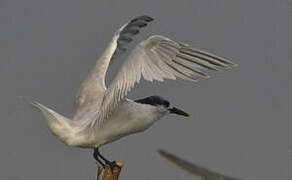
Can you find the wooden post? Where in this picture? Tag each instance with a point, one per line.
(109, 174)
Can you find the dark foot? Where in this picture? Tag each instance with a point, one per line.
(97, 155)
(112, 164)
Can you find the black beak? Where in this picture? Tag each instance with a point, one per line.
(178, 111)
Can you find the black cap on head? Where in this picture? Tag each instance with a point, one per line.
(154, 101)
(159, 101)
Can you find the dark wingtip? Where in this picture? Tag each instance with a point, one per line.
(166, 154)
(162, 152)
(147, 18)
(144, 17)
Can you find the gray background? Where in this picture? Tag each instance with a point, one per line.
(241, 123)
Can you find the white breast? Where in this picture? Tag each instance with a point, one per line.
(130, 117)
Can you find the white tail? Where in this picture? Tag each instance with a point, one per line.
(61, 126)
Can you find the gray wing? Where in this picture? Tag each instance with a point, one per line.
(158, 58)
(196, 170)
(129, 30)
(93, 87)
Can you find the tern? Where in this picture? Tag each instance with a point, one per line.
(105, 114)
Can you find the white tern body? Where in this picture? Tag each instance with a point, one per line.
(104, 114)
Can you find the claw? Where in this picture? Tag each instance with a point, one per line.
(113, 164)
(98, 157)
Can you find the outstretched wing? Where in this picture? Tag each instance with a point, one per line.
(93, 87)
(158, 58)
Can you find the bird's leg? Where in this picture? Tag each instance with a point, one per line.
(96, 156)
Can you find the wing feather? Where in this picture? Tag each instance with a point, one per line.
(158, 58)
(93, 87)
